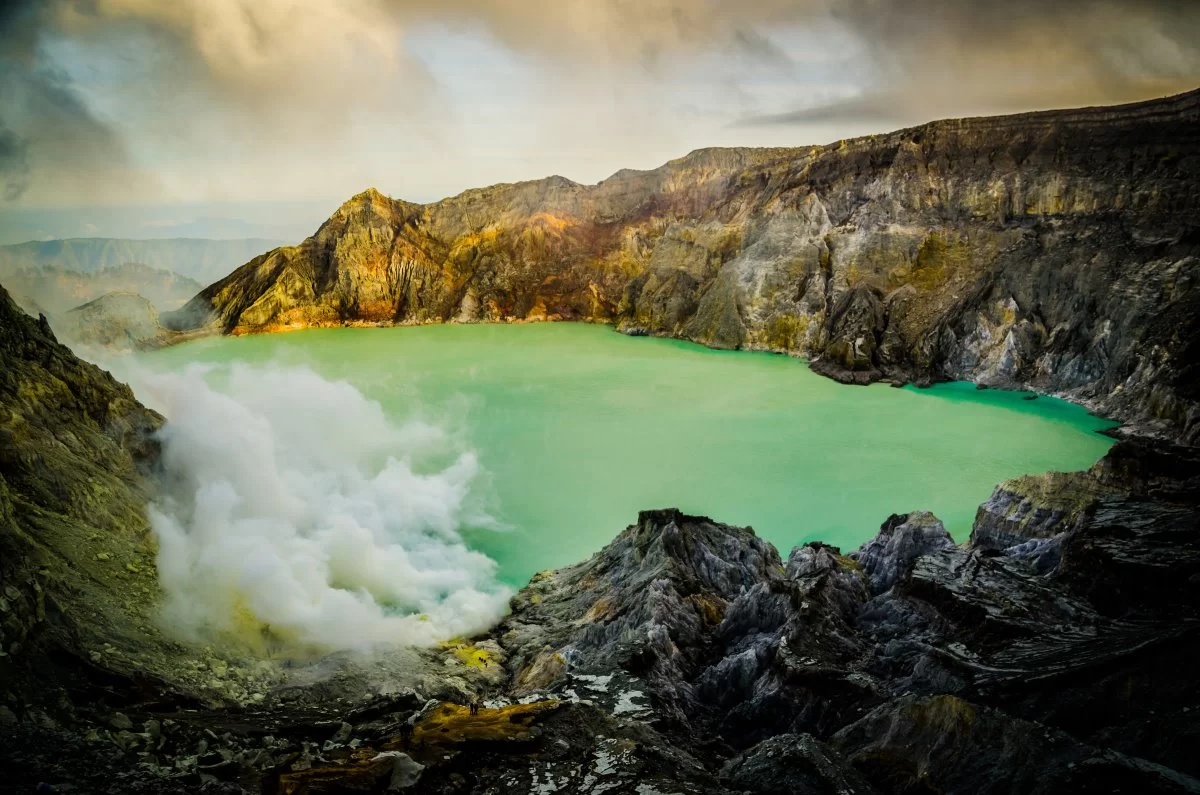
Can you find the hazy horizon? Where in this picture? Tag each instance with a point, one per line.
(226, 118)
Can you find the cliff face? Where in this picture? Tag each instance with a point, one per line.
(1052, 653)
(1057, 251)
(76, 553)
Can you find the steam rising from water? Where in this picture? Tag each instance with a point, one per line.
(297, 511)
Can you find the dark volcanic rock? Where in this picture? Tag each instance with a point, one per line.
(901, 540)
(1053, 652)
(794, 764)
(647, 604)
(855, 326)
(945, 744)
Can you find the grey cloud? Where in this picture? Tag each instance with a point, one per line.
(14, 164)
(933, 58)
(42, 118)
(283, 72)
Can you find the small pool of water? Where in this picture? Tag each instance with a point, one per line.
(578, 427)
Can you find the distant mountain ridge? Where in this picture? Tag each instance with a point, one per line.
(116, 320)
(1058, 251)
(53, 289)
(200, 259)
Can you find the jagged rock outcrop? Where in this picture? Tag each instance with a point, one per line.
(1055, 251)
(901, 540)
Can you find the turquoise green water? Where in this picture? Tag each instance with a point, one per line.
(579, 427)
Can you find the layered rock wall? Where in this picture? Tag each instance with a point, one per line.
(1057, 251)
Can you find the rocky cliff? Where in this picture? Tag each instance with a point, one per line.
(1051, 653)
(1056, 251)
(76, 554)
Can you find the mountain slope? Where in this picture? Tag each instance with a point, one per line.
(76, 551)
(1055, 250)
(121, 321)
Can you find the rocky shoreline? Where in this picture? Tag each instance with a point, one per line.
(1056, 252)
(1133, 426)
(1051, 652)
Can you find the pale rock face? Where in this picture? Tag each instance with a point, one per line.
(901, 540)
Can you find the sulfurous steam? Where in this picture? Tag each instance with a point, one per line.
(295, 512)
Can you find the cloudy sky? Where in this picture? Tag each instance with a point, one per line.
(149, 118)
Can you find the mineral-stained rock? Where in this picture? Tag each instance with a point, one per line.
(1055, 251)
(1028, 515)
(685, 656)
(74, 449)
(901, 540)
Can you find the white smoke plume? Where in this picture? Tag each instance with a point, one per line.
(296, 512)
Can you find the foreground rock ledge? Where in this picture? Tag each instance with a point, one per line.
(687, 656)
